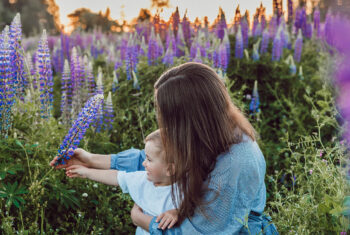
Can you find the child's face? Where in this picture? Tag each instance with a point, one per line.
(155, 166)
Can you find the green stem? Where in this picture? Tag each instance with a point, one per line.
(45, 175)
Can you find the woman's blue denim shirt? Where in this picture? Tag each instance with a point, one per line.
(238, 178)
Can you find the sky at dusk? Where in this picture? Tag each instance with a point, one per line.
(129, 9)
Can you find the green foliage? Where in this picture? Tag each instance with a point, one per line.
(298, 121)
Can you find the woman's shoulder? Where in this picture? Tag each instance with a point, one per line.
(241, 155)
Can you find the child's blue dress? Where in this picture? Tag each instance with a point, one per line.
(238, 177)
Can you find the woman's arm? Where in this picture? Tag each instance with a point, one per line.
(128, 160)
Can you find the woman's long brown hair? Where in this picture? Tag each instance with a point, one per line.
(198, 122)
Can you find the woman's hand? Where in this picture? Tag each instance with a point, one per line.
(80, 157)
(77, 171)
(167, 219)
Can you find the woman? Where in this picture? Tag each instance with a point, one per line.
(218, 167)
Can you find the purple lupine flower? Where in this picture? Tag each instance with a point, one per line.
(216, 59)
(317, 16)
(193, 49)
(176, 21)
(6, 84)
(160, 48)
(197, 57)
(263, 21)
(108, 113)
(186, 27)
(17, 59)
(31, 69)
(239, 44)
(168, 58)
(277, 48)
(245, 32)
(308, 31)
(298, 47)
(66, 91)
(180, 43)
(77, 76)
(255, 23)
(115, 83)
(290, 11)
(273, 24)
(265, 41)
(226, 42)
(152, 48)
(255, 102)
(143, 47)
(257, 31)
(131, 58)
(76, 133)
(45, 76)
(223, 58)
(89, 77)
(99, 90)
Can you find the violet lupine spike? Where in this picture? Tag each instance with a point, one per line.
(131, 58)
(176, 21)
(17, 59)
(152, 48)
(160, 47)
(45, 77)
(317, 16)
(108, 113)
(170, 39)
(180, 43)
(255, 102)
(65, 100)
(6, 85)
(198, 58)
(186, 30)
(255, 24)
(77, 77)
(265, 41)
(257, 31)
(226, 42)
(277, 48)
(168, 58)
(90, 79)
(290, 11)
(273, 26)
(263, 22)
(245, 32)
(216, 58)
(239, 44)
(298, 46)
(193, 49)
(143, 48)
(223, 58)
(76, 133)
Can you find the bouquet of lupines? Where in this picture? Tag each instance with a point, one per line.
(86, 116)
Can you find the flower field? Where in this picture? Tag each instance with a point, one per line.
(288, 73)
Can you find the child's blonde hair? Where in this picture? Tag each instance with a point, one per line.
(156, 138)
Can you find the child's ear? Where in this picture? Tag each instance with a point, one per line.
(170, 169)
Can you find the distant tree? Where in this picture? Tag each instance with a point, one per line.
(86, 20)
(35, 15)
(160, 3)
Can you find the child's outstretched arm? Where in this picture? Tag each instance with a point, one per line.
(103, 176)
(167, 219)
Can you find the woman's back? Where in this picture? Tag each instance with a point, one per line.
(238, 178)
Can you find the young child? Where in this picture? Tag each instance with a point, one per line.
(150, 189)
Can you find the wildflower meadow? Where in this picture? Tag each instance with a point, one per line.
(288, 72)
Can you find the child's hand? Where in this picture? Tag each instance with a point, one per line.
(77, 171)
(167, 219)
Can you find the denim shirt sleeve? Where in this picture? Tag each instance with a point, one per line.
(128, 160)
(154, 230)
